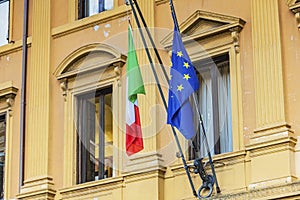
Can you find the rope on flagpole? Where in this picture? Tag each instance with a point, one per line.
(162, 96)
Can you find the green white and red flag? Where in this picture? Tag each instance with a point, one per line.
(134, 86)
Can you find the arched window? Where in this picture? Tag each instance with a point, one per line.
(90, 82)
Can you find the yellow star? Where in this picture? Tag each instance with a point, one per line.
(186, 65)
(171, 76)
(179, 53)
(186, 76)
(171, 64)
(179, 88)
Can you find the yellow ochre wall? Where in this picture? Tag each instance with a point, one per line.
(263, 41)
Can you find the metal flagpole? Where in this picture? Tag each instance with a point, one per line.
(198, 112)
(163, 98)
(154, 47)
(151, 40)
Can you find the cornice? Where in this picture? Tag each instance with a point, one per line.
(289, 190)
(82, 51)
(91, 21)
(225, 23)
(7, 88)
(81, 190)
(8, 92)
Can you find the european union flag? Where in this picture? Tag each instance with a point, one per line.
(183, 82)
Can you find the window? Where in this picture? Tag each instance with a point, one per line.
(4, 21)
(214, 101)
(2, 153)
(95, 137)
(88, 8)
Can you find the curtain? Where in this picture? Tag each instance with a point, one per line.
(205, 107)
(224, 108)
(205, 99)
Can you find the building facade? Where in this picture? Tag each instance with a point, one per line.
(63, 99)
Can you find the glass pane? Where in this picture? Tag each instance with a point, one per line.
(109, 4)
(108, 136)
(93, 7)
(95, 144)
(224, 108)
(106, 160)
(4, 20)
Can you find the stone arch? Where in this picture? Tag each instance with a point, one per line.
(87, 58)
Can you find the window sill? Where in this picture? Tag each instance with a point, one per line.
(92, 188)
(90, 21)
(13, 47)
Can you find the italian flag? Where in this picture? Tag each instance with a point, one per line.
(134, 86)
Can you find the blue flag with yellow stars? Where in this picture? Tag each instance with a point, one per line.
(183, 82)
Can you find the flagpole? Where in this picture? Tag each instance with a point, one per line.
(163, 98)
(151, 40)
(198, 112)
(155, 48)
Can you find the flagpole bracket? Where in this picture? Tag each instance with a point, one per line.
(208, 180)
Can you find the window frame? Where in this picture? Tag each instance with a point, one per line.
(82, 167)
(8, 93)
(8, 37)
(83, 8)
(76, 79)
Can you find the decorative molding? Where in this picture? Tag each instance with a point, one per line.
(8, 92)
(117, 70)
(146, 175)
(289, 190)
(64, 86)
(143, 163)
(295, 8)
(95, 188)
(65, 69)
(236, 39)
(266, 147)
(292, 2)
(202, 24)
(37, 188)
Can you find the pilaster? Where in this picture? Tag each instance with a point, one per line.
(267, 57)
(38, 184)
(273, 141)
